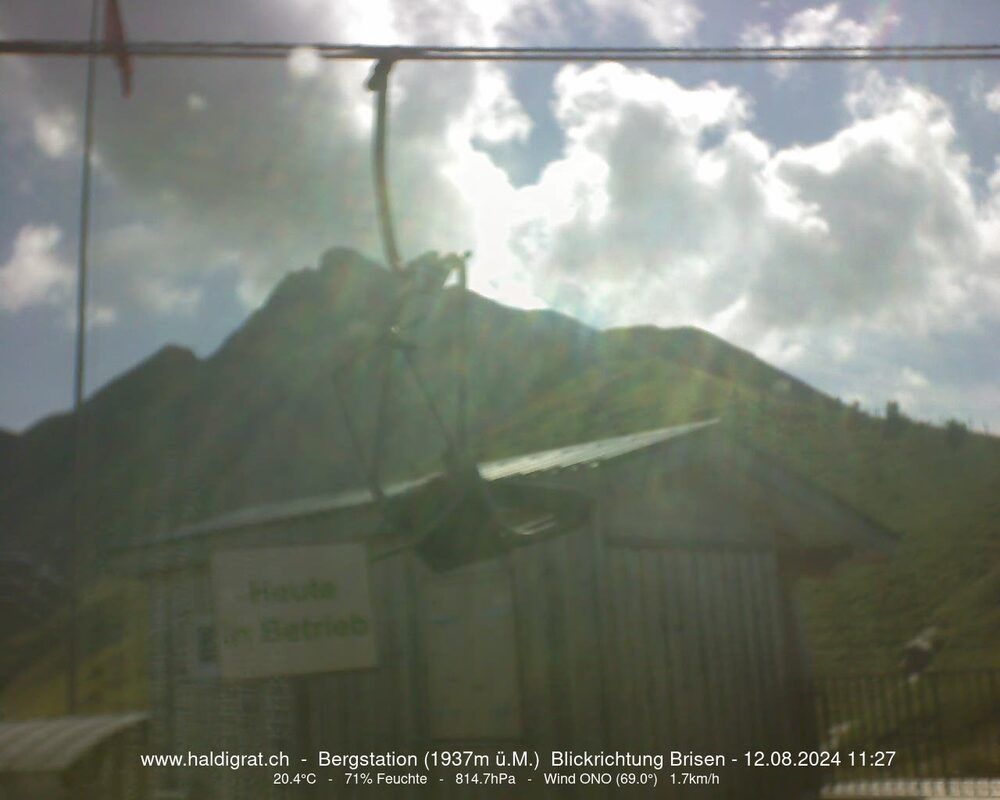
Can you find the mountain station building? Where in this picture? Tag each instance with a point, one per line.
(658, 616)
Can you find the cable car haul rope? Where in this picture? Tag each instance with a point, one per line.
(279, 50)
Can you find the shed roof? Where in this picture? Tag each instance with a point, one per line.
(822, 518)
(530, 464)
(585, 453)
(52, 745)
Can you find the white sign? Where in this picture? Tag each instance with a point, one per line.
(292, 610)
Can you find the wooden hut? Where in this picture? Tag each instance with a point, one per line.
(663, 622)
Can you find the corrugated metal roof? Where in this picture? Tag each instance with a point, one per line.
(291, 509)
(52, 745)
(530, 464)
(586, 453)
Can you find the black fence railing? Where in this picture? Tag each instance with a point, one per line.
(937, 732)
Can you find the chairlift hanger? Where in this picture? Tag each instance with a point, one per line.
(466, 518)
(389, 339)
(378, 82)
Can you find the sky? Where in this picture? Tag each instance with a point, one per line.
(841, 221)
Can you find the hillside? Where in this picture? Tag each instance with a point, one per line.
(179, 438)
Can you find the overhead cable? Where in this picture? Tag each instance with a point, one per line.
(326, 50)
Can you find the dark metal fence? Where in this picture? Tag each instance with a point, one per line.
(939, 732)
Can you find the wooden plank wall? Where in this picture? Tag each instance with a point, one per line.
(619, 648)
(694, 622)
(623, 643)
(560, 661)
(560, 646)
(694, 654)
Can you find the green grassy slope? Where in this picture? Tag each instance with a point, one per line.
(943, 498)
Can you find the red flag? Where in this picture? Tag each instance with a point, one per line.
(114, 37)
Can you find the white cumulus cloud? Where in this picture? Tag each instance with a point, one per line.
(646, 216)
(667, 22)
(666, 207)
(993, 100)
(35, 273)
(55, 132)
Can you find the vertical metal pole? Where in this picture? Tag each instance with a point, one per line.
(463, 367)
(168, 576)
(861, 691)
(994, 707)
(882, 708)
(73, 640)
(894, 691)
(926, 737)
(869, 700)
(826, 725)
(942, 742)
(913, 753)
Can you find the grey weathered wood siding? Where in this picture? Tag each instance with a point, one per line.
(657, 627)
